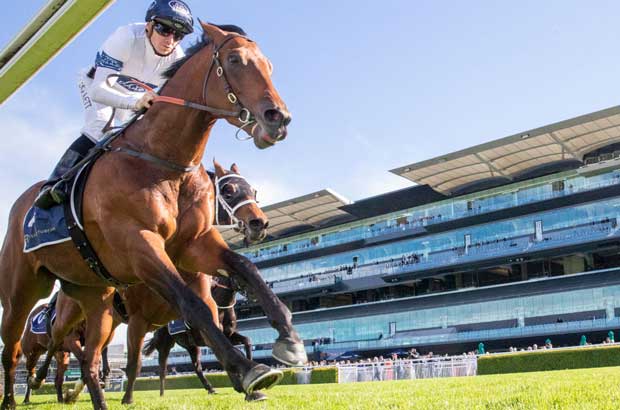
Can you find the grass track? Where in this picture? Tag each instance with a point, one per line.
(595, 389)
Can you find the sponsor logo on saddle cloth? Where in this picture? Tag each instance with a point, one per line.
(177, 326)
(44, 227)
(38, 326)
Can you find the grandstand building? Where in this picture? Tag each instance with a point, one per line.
(508, 243)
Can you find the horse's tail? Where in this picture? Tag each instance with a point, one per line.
(153, 343)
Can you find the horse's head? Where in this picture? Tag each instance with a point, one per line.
(236, 204)
(241, 77)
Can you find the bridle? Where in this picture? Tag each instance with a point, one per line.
(217, 284)
(231, 210)
(242, 114)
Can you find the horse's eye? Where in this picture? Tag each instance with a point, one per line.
(227, 191)
(234, 59)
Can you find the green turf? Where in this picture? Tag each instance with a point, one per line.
(568, 389)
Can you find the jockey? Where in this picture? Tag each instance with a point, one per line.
(141, 50)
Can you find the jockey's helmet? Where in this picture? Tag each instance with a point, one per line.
(174, 13)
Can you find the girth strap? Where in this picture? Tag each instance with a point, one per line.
(86, 249)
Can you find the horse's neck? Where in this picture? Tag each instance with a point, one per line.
(172, 133)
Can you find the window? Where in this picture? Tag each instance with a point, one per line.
(557, 186)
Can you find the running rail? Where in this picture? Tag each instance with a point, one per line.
(52, 29)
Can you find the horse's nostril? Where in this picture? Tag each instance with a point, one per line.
(256, 224)
(274, 116)
(287, 120)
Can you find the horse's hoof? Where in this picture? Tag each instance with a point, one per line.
(256, 396)
(289, 352)
(69, 396)
(8, 404)
(260, 377)
(35, 383)
(127, 400)
(212, 391)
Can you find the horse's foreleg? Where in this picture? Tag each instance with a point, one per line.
(62, 363)
(165, 343)
(73, 344)
(194, 354)
(210, 254)
(239, 339)
(289, 348)
(136, 329)
(153, 266)
(105, 372)
(99, 323)
(31, 363)
(68, 315)
(16, 307)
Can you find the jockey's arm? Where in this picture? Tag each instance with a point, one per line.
(112, 56)
(103, 93)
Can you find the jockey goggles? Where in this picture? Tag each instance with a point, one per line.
(165, 31)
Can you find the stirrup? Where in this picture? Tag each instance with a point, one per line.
(44, 199)
(57, 192)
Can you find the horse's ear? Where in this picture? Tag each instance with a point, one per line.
(235, 169)
(219, 170)
(211, 31)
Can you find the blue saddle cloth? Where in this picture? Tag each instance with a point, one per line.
(39, 322)
(177, 326)
(43, 227)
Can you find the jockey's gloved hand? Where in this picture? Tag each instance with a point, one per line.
(145, 101)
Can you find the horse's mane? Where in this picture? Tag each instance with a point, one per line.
(202, 42)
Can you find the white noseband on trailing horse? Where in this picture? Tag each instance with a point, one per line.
(236, 222)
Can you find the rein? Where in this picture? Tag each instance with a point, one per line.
(242, 114)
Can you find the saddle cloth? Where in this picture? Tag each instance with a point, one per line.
(39, 323)
(45, 227)
(177, 326)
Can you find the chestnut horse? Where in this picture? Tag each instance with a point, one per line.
(162, 341)
(236, 200)
(33, 345)
(148, 212)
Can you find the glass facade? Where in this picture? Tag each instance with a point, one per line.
(373, 328)
(579, 222)
(482, 202)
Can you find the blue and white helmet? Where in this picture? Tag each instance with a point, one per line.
(174, 13)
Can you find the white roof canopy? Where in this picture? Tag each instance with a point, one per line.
(510, 156)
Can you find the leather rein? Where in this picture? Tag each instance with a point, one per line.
(242, 114)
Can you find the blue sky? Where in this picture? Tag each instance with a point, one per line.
(371, 85)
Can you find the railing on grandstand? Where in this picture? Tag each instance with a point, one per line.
(380, 229)
(476, 251)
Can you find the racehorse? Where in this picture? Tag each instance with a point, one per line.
(148, 214)
(163, 341)
(236, 200)
(33, 345)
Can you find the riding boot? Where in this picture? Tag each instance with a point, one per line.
(53, 192)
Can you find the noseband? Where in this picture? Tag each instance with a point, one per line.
(230, 210)
(217, 284)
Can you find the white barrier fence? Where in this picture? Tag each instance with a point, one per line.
(455, 366)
